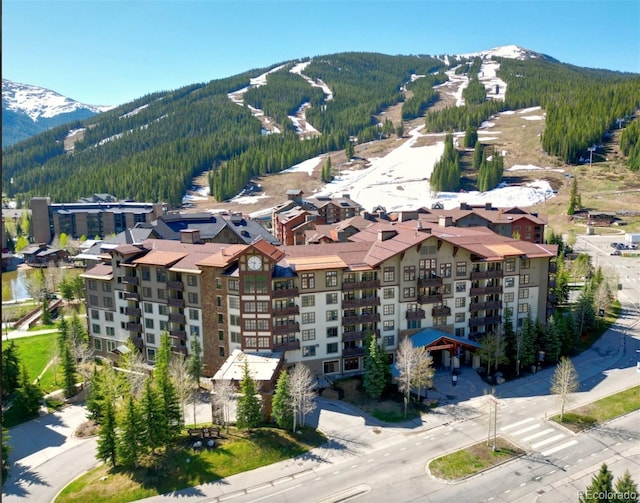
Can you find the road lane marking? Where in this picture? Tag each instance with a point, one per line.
(547, 441)
(525, 430)
(559, 447)
(515, 425)
(279, 492)
(539, 434)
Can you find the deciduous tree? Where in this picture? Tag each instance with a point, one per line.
(564, 382)
(302, 393)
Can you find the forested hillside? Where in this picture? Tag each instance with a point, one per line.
(151, 149)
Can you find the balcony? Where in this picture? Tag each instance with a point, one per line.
(175, 285)
(132, 311)
(177, 318)
(486, 274)
(132, 296)
(482, 306)
(175, 302)
(134, 327)
(179, 349)
(363, 318)
(485, 290)
(366, 302)
(137, 342)
(286, 311)
(130, 280)
(441, 311)
(289, 328)
(360, 285)
(430, 299)
(286, 346)
(429, 282)
(351, 352)
(178, 334)
(354, 336)
(418, 314)
(482, 320)
(284, 293)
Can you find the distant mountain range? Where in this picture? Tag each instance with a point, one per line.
(28, 110)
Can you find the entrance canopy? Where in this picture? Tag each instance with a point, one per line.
(435, 339)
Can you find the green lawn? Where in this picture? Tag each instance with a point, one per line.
(601, 410)
(183, 468)
(35, 352)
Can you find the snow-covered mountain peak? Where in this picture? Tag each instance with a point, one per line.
(37, 102)
(504, 51)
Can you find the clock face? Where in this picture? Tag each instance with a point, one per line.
(254, 263)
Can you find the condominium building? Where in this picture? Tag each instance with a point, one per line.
(317, 304)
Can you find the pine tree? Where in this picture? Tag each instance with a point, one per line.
(128, 438)
(375, 369)
(248, 411)
(478, 155)
(107, 438)
(27, 396)
(281, 405)
(573, 197)
(601, 483)
(152, 420)
(196, 370)
(626, 489)
(169, 401)
(6, 450)
(10, 368)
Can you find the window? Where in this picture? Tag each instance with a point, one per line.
(163, 309)
(523, 308)
(309, 334)
(148, 323)
(146, 274)
(250, 307)
(388, 340)
(250, 325)
(220, 319)
(409, 273)
(508, 311)
(162, 293)
(263, 325)
(332, 347)
(219, 283)
(510, 265)
(308, 300)
(332, 298)
(255, 284)
(146, 292)
(461, 268)
(523, 293)
(194, 314)
(111, 345)
(151, 354)
(331, 279)
(108, 316)
(97, 344)
(409, 292)
(525, 263)
(234, 320)
(251, 342)
(332, 331)
(446, 289)
(439, 321)
(389, 293)
(332, 315)
(93, 300)
(221, 350)
(194, 330)
(218, 300)
(461, 301)
(307, 280)
(164, 325)
(106, 287)
(411, 324)
(459, 332)
(192, 280)
(461, 286)
(524, 279)
(233, 285)
(221, 335)
(235, 337)
(151, 338)
(95, 328)
(108, 302)
(95, 315)
(508, 297)
(264, 342)
(445, 270)
(92, 284)
(234, 302)
(331, 367)
(460, 317)
(308, 318)
(351, 364)
(308, 351)
(509, 282)
(388, 325)
(148, 307)
(389, 274)
(161, 275)
(388, 309)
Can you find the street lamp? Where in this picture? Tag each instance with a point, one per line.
(591, 149)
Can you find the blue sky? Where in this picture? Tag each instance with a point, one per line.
(105, 52)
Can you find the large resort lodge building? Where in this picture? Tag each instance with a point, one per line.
(318, 303)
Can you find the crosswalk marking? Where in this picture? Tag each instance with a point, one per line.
(559, 447)
(536, 435)
(525, 430)
(515, 425)
(547, 441)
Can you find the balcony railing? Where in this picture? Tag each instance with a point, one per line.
(366, 302)
(134, 327)
(130, 280)
(175, 302)
(482, 306)
(441, 311)
(360, 285)
(363, 318)
(178, 334)
(417, 314)
(132, 296)
(175, 285)
(137, 341)
(177, 318)
(485, 290)
(286, 311)
(351, 352)
(354, 336)
(486, 274)
(179, 349)
(484, 320)
(430, 299)
(289, 328)
(132, 311)
(287, 346)
(429, 282)
(284, 292)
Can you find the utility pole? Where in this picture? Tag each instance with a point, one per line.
(591, 149)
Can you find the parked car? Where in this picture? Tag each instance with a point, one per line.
(616, 252)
